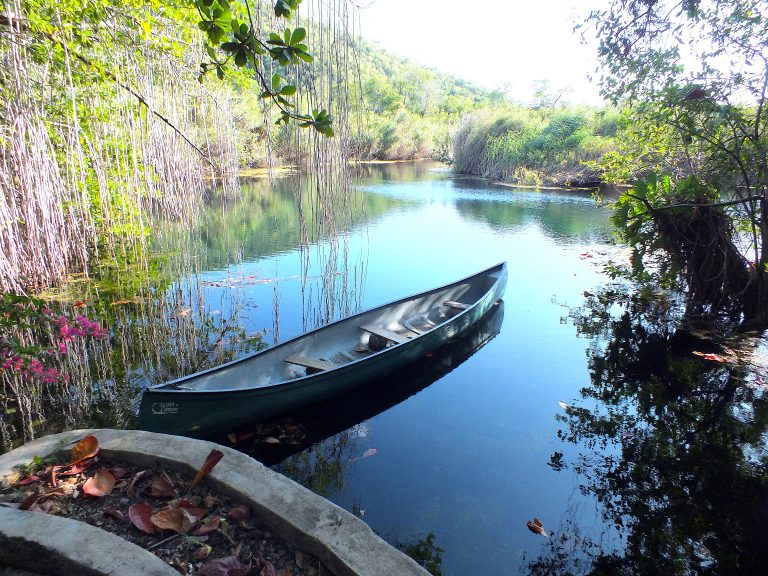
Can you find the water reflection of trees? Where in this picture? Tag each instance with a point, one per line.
(673, 447)
(166, 320)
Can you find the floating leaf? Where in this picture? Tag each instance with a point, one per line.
(240, 513)
(161, 487)
(176, 519)
(370, 452)
(537, 528)
(140, 516)
(563, 405)
(713, 357)
(227, 566)
(211, 461)
(86, 448)
(100, 484)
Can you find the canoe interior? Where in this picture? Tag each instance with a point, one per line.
(347, 341)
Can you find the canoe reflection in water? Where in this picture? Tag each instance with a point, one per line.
(271, 441)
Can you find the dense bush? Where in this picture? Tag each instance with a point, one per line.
(528, 146)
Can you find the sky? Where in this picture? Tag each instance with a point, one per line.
(504, 44)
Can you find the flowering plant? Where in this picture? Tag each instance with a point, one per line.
(32, 335)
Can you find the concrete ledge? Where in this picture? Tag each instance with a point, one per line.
(62, 547)
(343, 543)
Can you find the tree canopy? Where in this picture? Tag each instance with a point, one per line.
(693, 74)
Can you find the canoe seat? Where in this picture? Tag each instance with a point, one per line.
(308, 362)
(458, 305)
(411, 327)
(384, 333)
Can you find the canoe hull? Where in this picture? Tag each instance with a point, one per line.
(205, 413)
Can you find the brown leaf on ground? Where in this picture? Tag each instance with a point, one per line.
(211, 461)
(176, 519)
(131, 491)
(28, 480)
(116, 514)
(227, 566)
(100, 484)
(30, 501)
(161, 487)
(120, 472)
(75, 469)
(88, 447)
(240, 513)
(209, 526)
(202, 553)
(141, 517)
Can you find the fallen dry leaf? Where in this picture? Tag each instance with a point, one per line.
(202, 553)
(86, 448)
(209, 526)
(271, 440)
(131, 490)
(161, 487)
(140, 516)
(227, 566)
(75, 469)
(563, 405)
(28, 480)
(176, 519)
(537, 528)
(100, 484)
(211, 461)
(240, 513)
(116, 514)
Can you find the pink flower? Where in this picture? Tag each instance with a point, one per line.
(62, 347)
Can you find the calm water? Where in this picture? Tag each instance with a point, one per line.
(571, 403)
(467, 458)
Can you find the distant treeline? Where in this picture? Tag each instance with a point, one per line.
(406, 111)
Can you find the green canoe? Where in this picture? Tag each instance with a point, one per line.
(326, 362)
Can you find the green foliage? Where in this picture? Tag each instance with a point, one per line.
(234, 39)
(693, 76)
(525, 145)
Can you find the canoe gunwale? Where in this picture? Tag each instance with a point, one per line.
(176, 386)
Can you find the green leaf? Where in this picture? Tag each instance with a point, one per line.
(241, 58)
(276, 78)
(298, 35)
(304, 56)
(288, 90)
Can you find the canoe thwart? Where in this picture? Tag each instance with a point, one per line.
(458, 305)
(384, 333)
(308, 362)
(411, 327)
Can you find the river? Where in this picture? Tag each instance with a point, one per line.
(568, 405)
